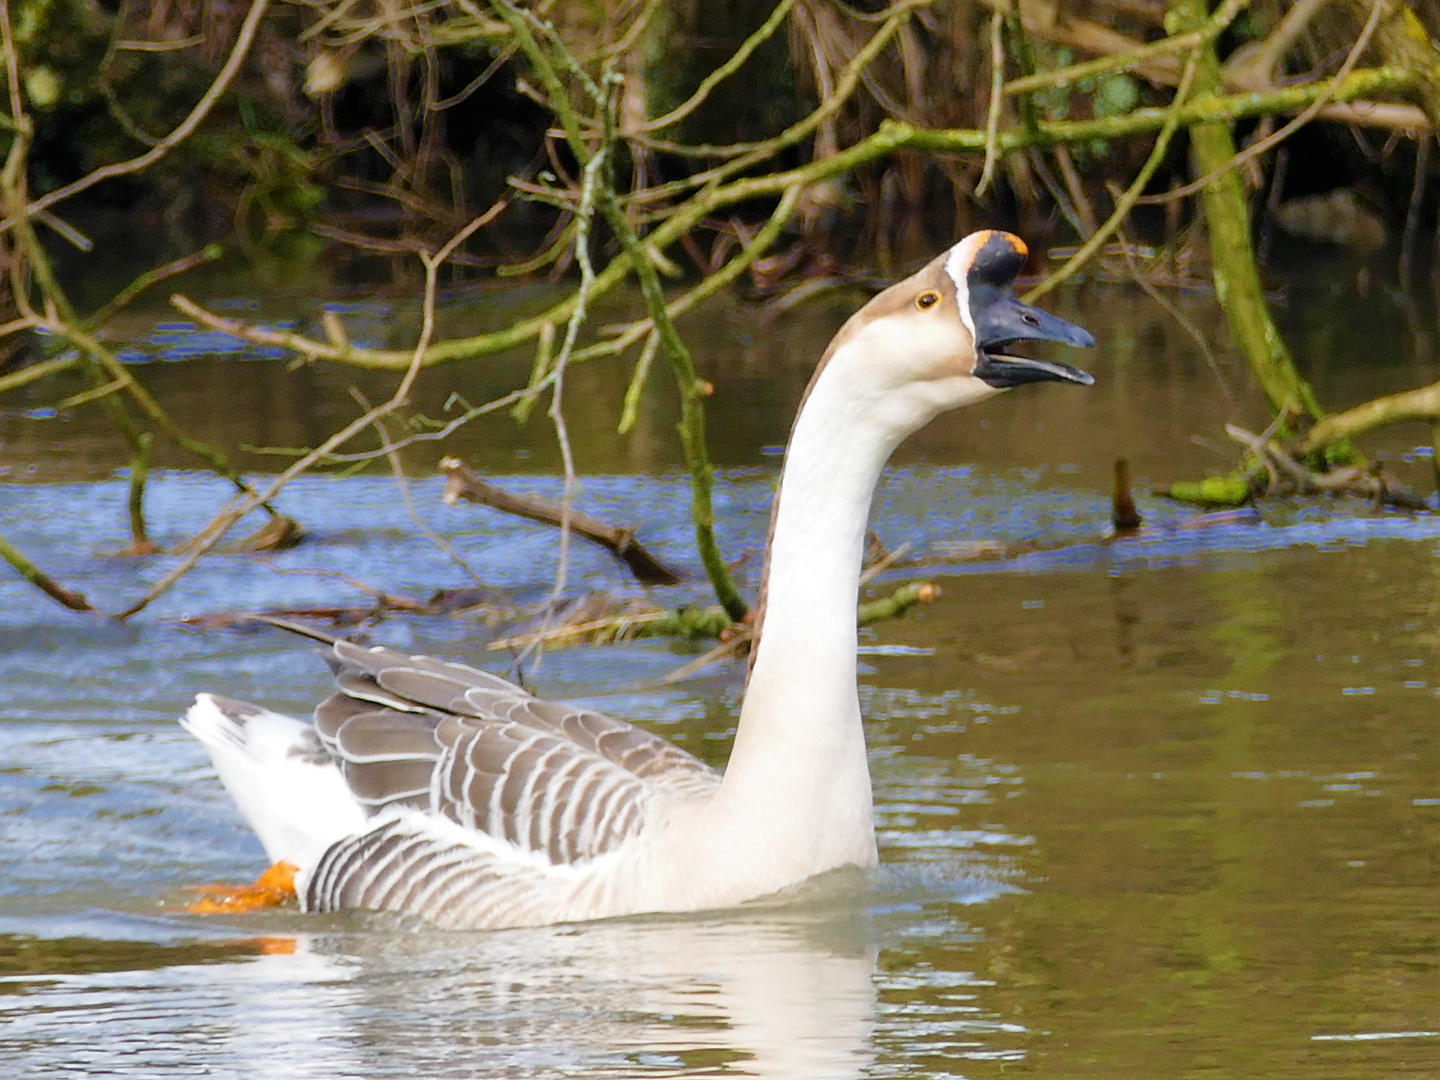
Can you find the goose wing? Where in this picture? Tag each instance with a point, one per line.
(565, 783)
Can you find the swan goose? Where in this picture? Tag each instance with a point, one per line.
(432, 789)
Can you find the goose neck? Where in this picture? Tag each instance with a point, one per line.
(803, 678)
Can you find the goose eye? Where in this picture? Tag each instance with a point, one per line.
(927, 300)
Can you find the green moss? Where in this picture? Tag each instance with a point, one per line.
(1231, 490)
(1343, 453)
(688, 623)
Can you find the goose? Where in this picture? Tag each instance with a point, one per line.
(431, 789)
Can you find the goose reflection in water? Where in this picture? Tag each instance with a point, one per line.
(781, 992)
(778, 995)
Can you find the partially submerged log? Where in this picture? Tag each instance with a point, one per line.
(461, 483)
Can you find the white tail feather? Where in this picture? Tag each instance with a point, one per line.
(286, 786)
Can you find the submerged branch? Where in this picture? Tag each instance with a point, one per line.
(1285, 472)
(461, 483)
(44, 582)
(897, 603)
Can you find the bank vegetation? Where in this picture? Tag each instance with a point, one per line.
(689, 147)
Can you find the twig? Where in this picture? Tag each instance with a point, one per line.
(34, 372)
(439, 434)
(1076, 190)
(881, 565)
(1367, 483)
(1125, 202)
(381, 598)
(750, 250)
(897, 603)
(1224, 15)
(540, 374)
(593, 178)
(595, 187)
(105, 360)
(126, 296)
(740, 642)
(636, 387)
(12, 71)
(208, 537)
(692, 388)
(724, 71)
(1419, 404)
(76, 238)
(397, 469)
(1198, 336)
(618, 623)
(992, 117)
(1412, 213)
(140, 542)
(752, 154)
(160, 46)
(1253, 66)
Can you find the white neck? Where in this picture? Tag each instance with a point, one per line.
(808, 637)
(798, 775)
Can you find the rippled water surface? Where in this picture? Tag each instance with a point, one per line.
(1166, 807)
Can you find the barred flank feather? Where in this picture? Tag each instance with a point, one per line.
(402, 867)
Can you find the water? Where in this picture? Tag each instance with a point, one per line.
(1160, 808)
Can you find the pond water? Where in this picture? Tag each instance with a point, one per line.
(1168, 807)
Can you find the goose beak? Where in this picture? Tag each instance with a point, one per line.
(1005, 320)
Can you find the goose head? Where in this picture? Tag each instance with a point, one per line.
(940, 338)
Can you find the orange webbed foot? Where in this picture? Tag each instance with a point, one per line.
(274, 887)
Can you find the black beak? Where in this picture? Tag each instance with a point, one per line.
(1003, 320)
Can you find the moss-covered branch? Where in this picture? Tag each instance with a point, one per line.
(1227, 218)
(1422, 404)
(892, 136)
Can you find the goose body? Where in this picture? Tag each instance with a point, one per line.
(432, 789)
